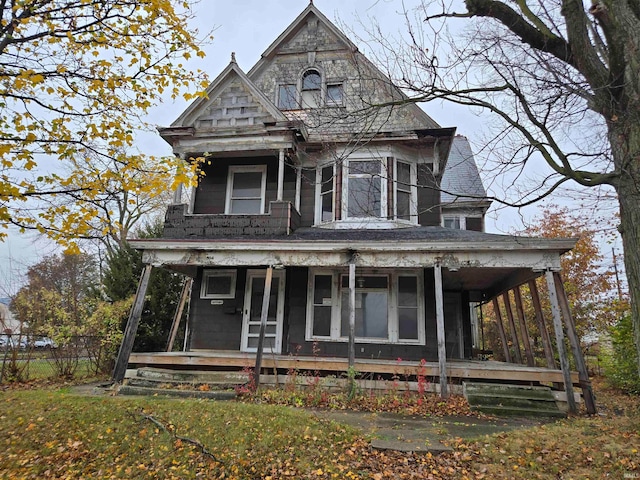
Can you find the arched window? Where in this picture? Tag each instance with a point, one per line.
(311, 89)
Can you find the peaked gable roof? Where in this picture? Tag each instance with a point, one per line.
(341, 41)
(461, 183)
(230, 92)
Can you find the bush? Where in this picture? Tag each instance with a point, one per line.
(621, 362)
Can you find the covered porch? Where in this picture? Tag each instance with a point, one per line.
(485, 267)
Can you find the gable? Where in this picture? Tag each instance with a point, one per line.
(232, 101)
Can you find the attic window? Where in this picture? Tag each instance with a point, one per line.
(311, 89)
(335, 95)
(287, 97)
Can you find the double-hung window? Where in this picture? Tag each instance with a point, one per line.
(287, 97)
(405, 191)
(246, 186)
(364, 188)
(389, 308)
(326, 190)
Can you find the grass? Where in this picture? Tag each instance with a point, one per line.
(58, 434)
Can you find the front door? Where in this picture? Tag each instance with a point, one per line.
(254, 293)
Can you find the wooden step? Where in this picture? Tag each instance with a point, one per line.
(501, 399)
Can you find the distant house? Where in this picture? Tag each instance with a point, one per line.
(8, 324)
(364, 225)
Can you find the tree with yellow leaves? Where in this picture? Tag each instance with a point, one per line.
(77, 76)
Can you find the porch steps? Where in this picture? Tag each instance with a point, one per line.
(512, 400)
(183, 383)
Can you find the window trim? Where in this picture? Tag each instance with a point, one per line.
(393, 320)
(382, 161)
(413, 190)
(208, 273)
(233, 169)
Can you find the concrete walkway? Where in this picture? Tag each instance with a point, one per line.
(391, 431)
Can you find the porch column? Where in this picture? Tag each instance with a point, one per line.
(263, 324)
(503, 336)
(512, 327)
(524, 331)
(442, 347)
(352, 314)
(583, 374)
(544, 333)
(557, 326)
(298, 187)
(132, 327)
(280, 174)
(186, 289)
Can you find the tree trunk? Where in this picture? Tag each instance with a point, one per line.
(625, 144)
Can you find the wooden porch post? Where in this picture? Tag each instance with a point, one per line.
(352, 314)
(186, 288)
(280, 174)
(544, 333)
(442, 347)
(263, 324)
(512, 327)
(503, 336)
(557, 326)
(132, 327)
(524, 331)
(583, 374)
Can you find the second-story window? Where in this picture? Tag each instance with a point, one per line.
(311, 89)
(327, 186)
(364, 189)
(246, 186)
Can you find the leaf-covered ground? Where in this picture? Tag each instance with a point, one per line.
(56, 434)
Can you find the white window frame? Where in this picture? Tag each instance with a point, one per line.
(392, 289)
(233, 169)
(413, 179)
(460, 218)
(209, 273)
(328, 101)
(382, 173)
(318, 195)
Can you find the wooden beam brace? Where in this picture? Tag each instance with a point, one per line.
(263, 324)
(557, 326)
(542, 325)
(122, 360)
(184, 294)
(512, 327)
(524, 331)
(352, 315)
(442, 346)
(503, 336)
(574, 341)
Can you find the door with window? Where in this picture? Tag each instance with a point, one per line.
(252, 312)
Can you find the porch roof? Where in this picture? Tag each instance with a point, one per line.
(473, 261)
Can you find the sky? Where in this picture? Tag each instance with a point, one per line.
(248, 27)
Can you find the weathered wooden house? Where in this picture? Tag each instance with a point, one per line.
(320, 236)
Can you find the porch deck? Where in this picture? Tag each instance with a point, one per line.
(457, 370)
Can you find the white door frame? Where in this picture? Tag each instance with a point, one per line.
(280, 276)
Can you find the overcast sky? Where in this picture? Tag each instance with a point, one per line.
(248, 27)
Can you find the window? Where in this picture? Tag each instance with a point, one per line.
(287, 97)
(364, 188)
(389, 307)
(311, 89)
(404, 183)
(451, 222)
(246, 187)
(326, 187)
(335, 94)
(218, 284)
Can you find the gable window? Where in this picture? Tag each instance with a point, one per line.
(287, 97)
(335, 94)
(218, 284)
(452, 221)
(311, 89)
(364, 189)
(389, 307)
(246, 186)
